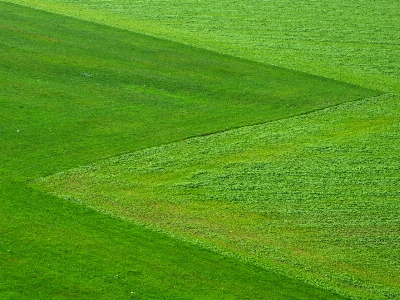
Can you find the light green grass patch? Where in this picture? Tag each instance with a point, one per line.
(314, 196)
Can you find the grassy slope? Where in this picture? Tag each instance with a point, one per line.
(73, 87)
(315, 196)
(347, 40)
(53, 249)
(69, 97)
(350, 59)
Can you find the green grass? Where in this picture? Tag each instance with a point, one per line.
(76, 87)
(315, 196)
(74, 92)
(53, 249)
(346, 40)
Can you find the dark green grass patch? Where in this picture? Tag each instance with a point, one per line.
(315, 196)
(74, 91)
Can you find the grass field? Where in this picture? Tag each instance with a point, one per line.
(346, 40)
(67, 99)
(52, 249)
(108, 91)
(316, 195)
(302, 206)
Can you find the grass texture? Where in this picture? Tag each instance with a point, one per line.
(314, 196)
(53, 249)
(351, 41)
(74, 92)
(73, 87)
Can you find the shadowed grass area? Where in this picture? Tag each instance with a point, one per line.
(315, 196)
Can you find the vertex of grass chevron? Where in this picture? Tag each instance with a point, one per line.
(315, 196)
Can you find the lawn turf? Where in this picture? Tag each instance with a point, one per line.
(73, 92)
(348, 40)
(314, 196)
(54, 249)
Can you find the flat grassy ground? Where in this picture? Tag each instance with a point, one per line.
(73, 87)
(53, 249)
(347, 40)
(315, 196)
(74, 92)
